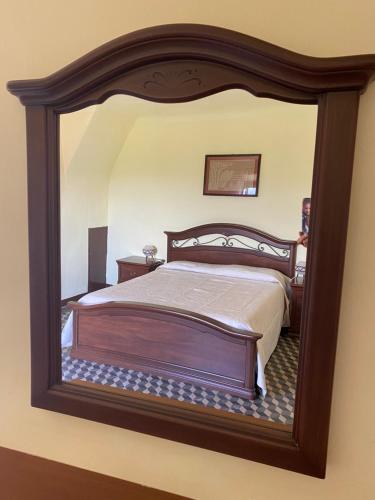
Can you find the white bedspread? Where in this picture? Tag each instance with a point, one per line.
(242, 302)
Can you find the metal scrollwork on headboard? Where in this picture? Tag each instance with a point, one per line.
(223, 243)
(232, 241)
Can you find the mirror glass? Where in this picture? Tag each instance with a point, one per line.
(132, 169)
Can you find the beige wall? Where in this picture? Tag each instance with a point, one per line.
(39, 37)
(90, 141)
(157, 181)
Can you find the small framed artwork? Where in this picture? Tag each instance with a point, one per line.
(232, 175)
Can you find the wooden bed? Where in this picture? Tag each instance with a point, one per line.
(180, 344)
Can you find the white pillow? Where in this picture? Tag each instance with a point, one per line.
(230, 270)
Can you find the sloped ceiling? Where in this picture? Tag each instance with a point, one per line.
(92, 138)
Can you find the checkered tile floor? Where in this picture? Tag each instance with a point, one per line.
(276, 406)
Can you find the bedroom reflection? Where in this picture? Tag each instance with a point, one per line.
(209, 313)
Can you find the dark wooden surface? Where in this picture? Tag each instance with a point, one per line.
(297, 287)
(337, 121)
(216, 254)
(213, 58)
(168, 342)
(196, 61)
(134, 266)
(97, 274)
(26, 477)
(138, 260)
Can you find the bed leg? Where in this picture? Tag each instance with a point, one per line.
(250, 379)
(253, 394)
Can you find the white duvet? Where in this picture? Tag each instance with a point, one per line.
(252, 299)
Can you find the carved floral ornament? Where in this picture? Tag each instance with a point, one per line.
(174, 79)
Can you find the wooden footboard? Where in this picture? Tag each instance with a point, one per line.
(167, 342)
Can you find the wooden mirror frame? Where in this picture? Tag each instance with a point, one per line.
(178, 63)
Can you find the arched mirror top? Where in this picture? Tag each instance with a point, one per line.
(181, 62)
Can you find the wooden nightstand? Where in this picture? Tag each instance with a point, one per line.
(132, 267)
(297, 285)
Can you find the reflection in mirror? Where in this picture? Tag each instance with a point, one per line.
(210, 315)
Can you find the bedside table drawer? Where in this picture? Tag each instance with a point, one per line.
(128, 272)
(134, 266)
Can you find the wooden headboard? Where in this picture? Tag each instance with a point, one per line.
(232, 244)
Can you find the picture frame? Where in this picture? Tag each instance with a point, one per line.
(232, 175)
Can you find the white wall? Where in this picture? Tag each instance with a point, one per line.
(157, 181)
(90, 140)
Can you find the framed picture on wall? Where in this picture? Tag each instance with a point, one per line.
(232, 175)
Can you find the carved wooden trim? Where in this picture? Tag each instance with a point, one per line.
(294, 76)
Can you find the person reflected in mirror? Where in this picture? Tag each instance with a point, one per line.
(303, 239)
(304, 234)
(306, 209)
